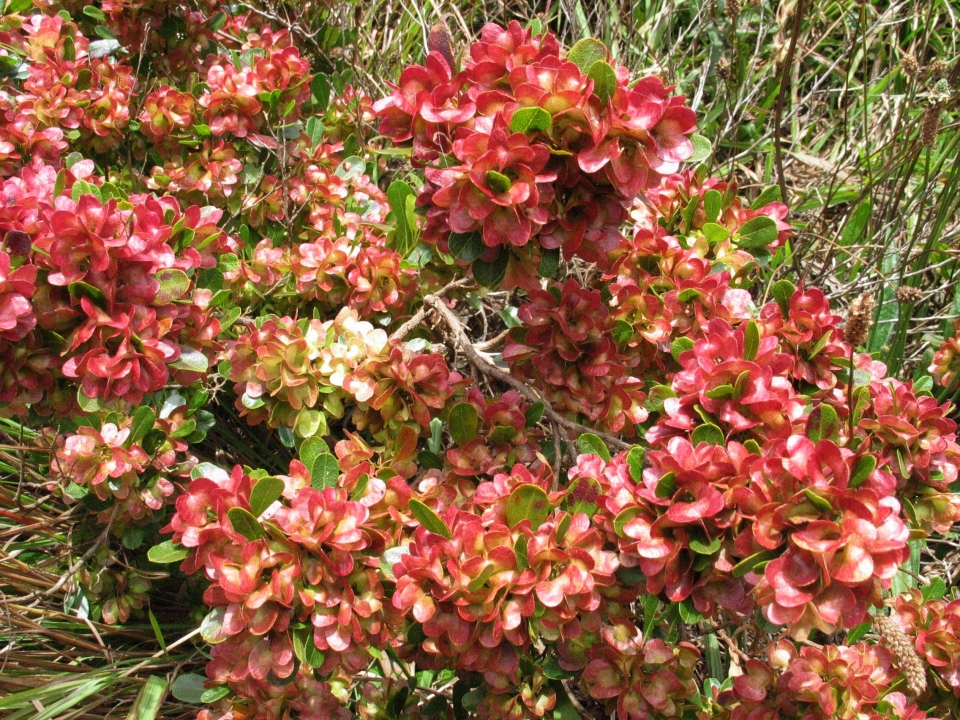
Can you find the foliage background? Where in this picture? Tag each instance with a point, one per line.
(831, 100)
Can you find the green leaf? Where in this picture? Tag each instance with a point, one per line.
(715, 233)
(708, 433)
(324, 471)
(549, 263)
(534, 413)
(311, 449)
(857, 633)
(702, 149)
(821, 504)
(245, 523)
(94, 12)
(189, 688)
(586, 52)
(590, 444)
(702, 548)
(267, 491)
(604, 80)
(498, 182)
(403, 202)
(769, 195)
(88, 404)
(531, 119)
(782, 291)
(166, 552)
(688, 613)
(528, 502)
(95, 295)
(151, 696)
(310, 423)
(936, 590)
(689, 212)
(751, 341)
(823, 423)
(191, 360)
(429, 519)
(211, 695)
(157, 631)
(864, 468)
(490, 273)
(102, 48)
(466, 246)
(622, 332)
(666, 485)
(636, 458)
(680, 346)
(429, 460)
(856, 223)
(624, 517)
(306, 649)
(464, 423)
(753, 562)
(757, 233)
(351, 168)
(143, 419)
(712, 205)
(390, 557)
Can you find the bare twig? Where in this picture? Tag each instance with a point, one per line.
(479, 361)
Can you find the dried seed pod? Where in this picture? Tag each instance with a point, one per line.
(438, 40)
(859, 320)
(733, 9)
(901, 647)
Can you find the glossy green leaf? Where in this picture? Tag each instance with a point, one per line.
(188, 688)
(624, 517)
(586, 52)
(245, 523)
(324, 472)
(466, 246)
(588, 443)
(528, 502)
(708, 433)
(429, 519)
(490, 273)
(757, 233)
(636, 458)
(143, 419)
(604, 80)
(464, 423)
(266, 491)
(531, 119)
(702, 148)
(751, 340)
(782, 291)
(166, 552)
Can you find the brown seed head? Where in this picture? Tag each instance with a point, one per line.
(910, 65)
(910, 663)
(931, 125)
(907, 295)
(723, 69)
(938, 69)
(859, 319)
(733, 9)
